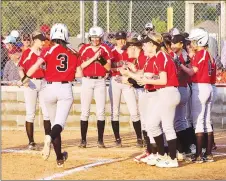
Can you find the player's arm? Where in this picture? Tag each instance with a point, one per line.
(78, 73)
(30, 72)
(162, 80)
(107, 66)
(189, 70)
(91, 60)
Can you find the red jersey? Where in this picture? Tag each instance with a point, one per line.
(61, 64)
(149, 68)
(164, 63)
(141, 61)
(213, 72)
(29, 58)
(95, 68)
(119, 58)
(202, 61)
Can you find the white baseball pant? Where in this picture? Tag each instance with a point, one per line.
(115, 91)
(34, 91)
(202, 95)
(148, 102)
(88, 88)
(163, 112)
(188, 108)
(58, 100)
(180, 123)
(141, 99)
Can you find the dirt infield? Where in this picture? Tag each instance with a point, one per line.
(94, 163)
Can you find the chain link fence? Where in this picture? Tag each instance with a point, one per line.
(112, 16)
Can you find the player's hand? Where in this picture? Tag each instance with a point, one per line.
(131, 66)
(124, 71)
(19, 83)
(142, 81)
(97, 55)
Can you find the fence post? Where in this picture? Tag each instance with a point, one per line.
(169, 18)
(223, 20)
(130, 15)
(82, 20)
(95, 13)
(108, 14)
(189, 16)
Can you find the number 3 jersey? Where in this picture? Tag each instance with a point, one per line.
(61, 63)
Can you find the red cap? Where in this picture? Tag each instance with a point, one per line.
(45, 28)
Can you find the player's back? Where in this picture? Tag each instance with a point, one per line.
(61, 64)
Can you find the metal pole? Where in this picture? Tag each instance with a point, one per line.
(82, 20)
(95, 13)
(130, 15)
(108, 14)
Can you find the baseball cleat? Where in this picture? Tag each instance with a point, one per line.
(141, 156)
(180, 156)
(118, 143)
(60, 163)
(199, 159)
(32, 146)
(47, 146)
(82, 144)
(100, 144)
(214, 146)
(140, 143)
(190, 158)
(152, 159)
(208, 158)
(167, 163)
(193, 148)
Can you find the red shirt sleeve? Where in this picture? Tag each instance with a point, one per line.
(161, 62)
(23, 57)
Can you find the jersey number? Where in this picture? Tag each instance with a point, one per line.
(64, 62)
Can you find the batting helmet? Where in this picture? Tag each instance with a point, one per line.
(59, 31)
(200, 35)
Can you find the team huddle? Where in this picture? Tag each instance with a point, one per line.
(167, 81)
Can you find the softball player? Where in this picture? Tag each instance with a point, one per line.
(181, 125)
(163, 112)
(35, 88)
(95, 61)
(134, 50)
(61, 66)
(201, 82)
(120, 58)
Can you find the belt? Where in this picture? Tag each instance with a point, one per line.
(167, 87)
(94, 77)
(63, 82)
(153, 90)
(37, 78)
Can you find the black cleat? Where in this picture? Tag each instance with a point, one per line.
(208, 158)
(82, 144)
(32, 146)
(60, 163)
(118, 143)
(140, 143)
(100, 144)
(199, 159)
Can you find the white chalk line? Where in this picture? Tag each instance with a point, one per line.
(78, 169)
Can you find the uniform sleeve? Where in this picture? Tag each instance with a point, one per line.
(161, 62)
(22, 58)
(44, 54)
(106, 52)
(82, 55)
